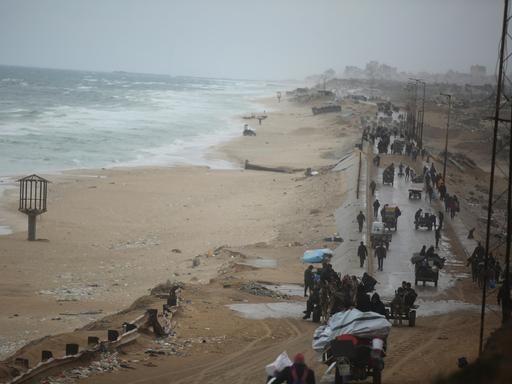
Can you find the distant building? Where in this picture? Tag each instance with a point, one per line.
(478, 74)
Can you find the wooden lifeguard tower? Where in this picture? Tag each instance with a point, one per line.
(33, 193)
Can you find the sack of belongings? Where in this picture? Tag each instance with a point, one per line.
(278, 364)
(316, 255)
(351, 322)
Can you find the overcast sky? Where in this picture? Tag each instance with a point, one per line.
(266, 39)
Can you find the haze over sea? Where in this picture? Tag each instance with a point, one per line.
(54, 120)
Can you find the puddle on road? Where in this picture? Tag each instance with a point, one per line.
(262, 311)
(287, 289)
(432, 308)
(260, 263)
(5, 230)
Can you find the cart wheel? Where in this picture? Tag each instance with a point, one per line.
(377, 376)
(435, 283)
(415, 282)
(416, 227)
(412, 318)
(338, 379)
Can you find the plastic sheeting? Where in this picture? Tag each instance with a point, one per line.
(316, 255)
(351, 322)
(281, 362)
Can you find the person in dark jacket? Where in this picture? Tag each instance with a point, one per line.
(377, 305)
(380, 253)
(309, 280)
(362, 299)
(313, 301)
(360, 220)
(376, 205)
(298, 373)
(362, 252)
(441, 219)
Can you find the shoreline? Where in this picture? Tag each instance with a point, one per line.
(206, 156)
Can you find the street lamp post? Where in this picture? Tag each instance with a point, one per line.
(447, 129)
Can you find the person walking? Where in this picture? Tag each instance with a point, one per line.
(437, 235)
(362, 252)
(505, 302)
(376, 206)
(398, 213)
(407, 171)
(360, 220)
(380, 253)
(440, 216)
(309, 280)
(298, 373)
(372, 187)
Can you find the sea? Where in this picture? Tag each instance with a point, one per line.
(55, 120)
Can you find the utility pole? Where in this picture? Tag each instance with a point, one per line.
(420, 114)
(411, 115)
(501, 94)
(446, 138)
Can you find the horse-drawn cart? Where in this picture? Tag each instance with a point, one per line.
(389, 217)
(380, 234)
(426, 268)
(415, 194)
(426, 273)
(388, 176)
(403, 313)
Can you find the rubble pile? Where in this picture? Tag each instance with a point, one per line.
(260, 290)
(109, 362)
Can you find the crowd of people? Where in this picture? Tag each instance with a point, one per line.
(328, 293)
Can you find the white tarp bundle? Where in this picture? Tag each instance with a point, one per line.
(351, 322)
(278, 364)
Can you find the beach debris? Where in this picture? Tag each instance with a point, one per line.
(196, 261)
(260, 290)
(109, 362)
(336, 238)
(147, 242)
(69, 293)
(176, 250)
(310, 172)
(255, 167)
(326, 109)
(248, 131)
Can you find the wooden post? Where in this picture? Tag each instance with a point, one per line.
(31, 227)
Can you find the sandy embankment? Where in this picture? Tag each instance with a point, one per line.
(109, 235)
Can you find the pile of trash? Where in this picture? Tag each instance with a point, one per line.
(260, 290)
(109, 362)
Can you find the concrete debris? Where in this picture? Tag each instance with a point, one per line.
(260, 290)
(108, 362)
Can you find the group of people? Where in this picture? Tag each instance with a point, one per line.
(478, 272)
(490, 276)
(329, 293)
(380, 253)
(435, 181)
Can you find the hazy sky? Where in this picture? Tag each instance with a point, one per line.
(249, 38)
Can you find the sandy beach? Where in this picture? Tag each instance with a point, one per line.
(111, 235)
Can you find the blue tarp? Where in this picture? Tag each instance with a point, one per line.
(316, 255)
